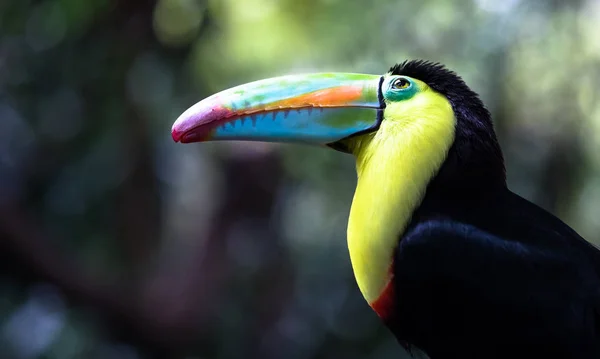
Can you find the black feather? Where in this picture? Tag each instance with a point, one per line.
(481, 272)
(495, 277)
(475, 156)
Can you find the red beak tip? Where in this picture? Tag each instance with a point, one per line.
(176, 135)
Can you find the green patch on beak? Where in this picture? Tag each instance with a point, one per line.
(317, 108)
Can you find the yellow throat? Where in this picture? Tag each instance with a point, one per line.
(394, 166)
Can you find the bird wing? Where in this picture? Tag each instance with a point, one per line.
(497, 280)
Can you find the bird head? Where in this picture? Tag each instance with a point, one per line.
(346, 111)
(414, 128)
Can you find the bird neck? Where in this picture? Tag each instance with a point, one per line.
(394, 167)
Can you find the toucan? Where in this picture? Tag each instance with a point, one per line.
(453, 262)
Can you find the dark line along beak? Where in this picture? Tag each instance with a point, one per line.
(316, 108)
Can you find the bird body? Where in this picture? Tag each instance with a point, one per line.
(495, 276)
(452, 261)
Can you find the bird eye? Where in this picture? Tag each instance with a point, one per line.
(400, 84)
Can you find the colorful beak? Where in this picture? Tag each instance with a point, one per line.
(317, 108)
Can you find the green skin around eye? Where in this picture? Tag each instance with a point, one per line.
(391, 94)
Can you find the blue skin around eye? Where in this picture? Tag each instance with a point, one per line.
(398, 95)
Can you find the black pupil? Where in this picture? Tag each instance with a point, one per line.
(400, 83)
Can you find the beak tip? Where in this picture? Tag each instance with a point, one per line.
(182, 132)
(185, 128)
(176, 135)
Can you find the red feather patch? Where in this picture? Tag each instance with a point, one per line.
(384, 305)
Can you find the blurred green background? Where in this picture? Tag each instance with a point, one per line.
(116, 242)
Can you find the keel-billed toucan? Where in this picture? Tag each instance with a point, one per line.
(451, 260)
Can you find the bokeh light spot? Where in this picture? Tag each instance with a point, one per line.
(176, 22)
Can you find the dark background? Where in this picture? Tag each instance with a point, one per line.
(116, 242)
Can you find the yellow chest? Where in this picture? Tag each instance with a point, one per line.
(394, 167)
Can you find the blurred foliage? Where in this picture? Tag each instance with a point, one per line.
(117, 243)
